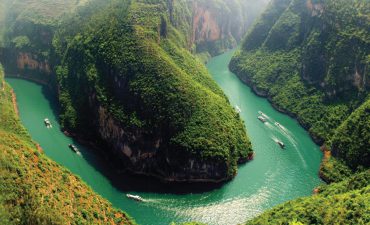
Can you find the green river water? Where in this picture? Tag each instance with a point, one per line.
(274, 176)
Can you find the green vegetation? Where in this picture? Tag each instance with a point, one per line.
(136, 65)
(36, 190)
(312, 63)
(334, 170)
(41, 11)
(351, 140)
(311, 59)
(346, 202)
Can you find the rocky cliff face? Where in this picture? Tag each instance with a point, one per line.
(334, 49)
(212, 27)
(220, 25)
(328, 40)
(144, 154)
(26, 33)
(27, 61)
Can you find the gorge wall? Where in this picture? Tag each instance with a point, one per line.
(161, 119)
(211, 27)
(311, 59)
(146, 96)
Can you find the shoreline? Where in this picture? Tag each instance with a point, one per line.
(318, 141)
(108, 157)
(128, 171)
(38, 81)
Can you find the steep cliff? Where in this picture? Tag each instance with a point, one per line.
(139, 90)
(311, 59)
(36, 190)
(220, 25)
(26, 29)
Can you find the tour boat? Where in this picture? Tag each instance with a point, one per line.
(135, 197)
(279, 125)
(73, 148)
(262, 119)
(47, 123)
(281, 144)
(262, 114)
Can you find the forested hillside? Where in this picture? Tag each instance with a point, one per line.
(311, 59)
(137, 88)
(137, 77)
(36, 190)
(346, 202)
(26, 32)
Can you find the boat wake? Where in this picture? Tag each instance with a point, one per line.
(264, 115)
(274, 125)
(269, 125)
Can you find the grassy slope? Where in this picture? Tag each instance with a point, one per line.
(36, 190)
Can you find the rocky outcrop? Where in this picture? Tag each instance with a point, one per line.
(142, 154)
(205, 26)
(326, 45)
(26, 61)
(220, 25)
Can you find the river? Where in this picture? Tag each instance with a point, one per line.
(273, 177)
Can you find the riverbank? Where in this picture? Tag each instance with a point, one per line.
(329, 167)
(256, 188)
(319, 141)
(43, 191)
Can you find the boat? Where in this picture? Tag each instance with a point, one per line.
(279, 125)
(73, 148)
(280, 143)
(262, 119)
(237, 109)
(47, 123)
(135, 197)
(262, 114)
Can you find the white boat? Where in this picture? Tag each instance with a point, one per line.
(280, 143)
(135, 197)
(47, 123)
(279, 125)
(262, 114)
(237, 109)
(74, 148)
(262, 119)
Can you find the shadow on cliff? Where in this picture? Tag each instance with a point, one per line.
(127, 182)
(107, 166)
(124, 181)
